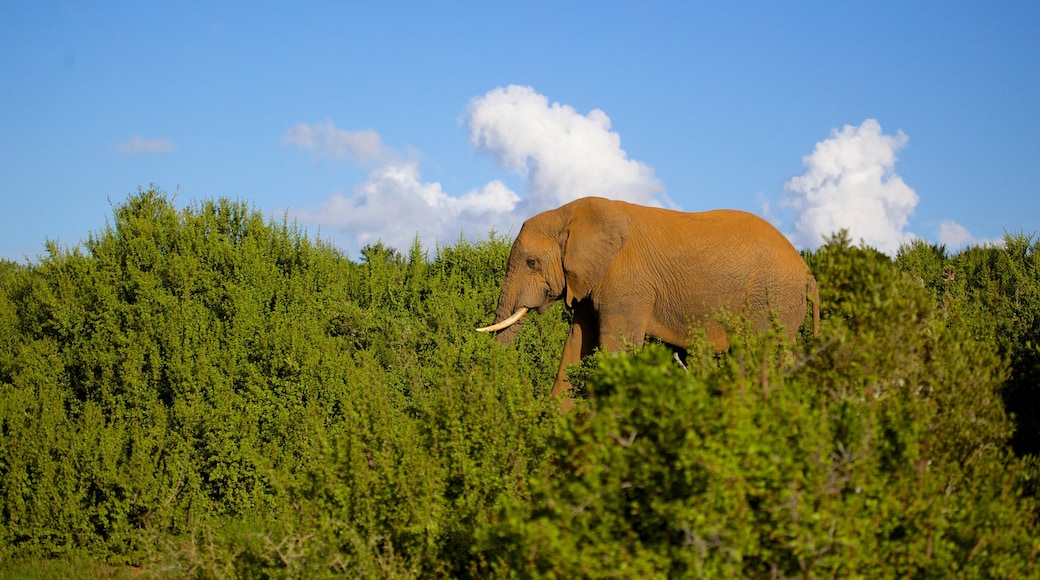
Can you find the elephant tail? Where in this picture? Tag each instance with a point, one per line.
(813, 294)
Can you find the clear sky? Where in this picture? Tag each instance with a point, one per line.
(386, 120)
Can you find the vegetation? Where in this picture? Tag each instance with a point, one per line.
(206, 393)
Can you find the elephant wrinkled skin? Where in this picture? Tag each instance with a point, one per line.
(629, 271)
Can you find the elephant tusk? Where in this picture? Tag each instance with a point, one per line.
(507, 322)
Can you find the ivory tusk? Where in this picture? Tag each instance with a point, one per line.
(520, 312)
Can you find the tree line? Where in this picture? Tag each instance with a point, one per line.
(205, 392)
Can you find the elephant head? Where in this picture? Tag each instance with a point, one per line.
(559, 254)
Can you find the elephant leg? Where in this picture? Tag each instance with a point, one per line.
(623, 330)
(581, 341)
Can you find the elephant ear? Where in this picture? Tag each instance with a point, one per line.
(595, 235)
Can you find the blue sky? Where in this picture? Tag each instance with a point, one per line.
(388, 120)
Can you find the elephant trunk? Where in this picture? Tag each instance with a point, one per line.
(508, 319)
(507, 335)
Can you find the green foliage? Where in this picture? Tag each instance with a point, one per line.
(207, 393)
(214, 379)
(876, 452)
(994, 292)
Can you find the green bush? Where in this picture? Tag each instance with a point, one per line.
(207, 393)
(877, 452)
(994, 292)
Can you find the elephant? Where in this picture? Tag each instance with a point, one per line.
(629, 271)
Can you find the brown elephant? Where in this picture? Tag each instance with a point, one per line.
(629, 271)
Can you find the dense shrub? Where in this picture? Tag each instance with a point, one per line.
(209, 377)
(205, 392)
(878, 451)
(994, 292)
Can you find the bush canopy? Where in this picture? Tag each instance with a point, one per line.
(208, 393)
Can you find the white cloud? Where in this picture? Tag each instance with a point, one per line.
(394, 205)
(141, 146)
(363, 147)
(957, 237)
(563, 154)
(953, 235)
(850, 183)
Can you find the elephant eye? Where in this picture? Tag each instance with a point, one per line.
(532, 263)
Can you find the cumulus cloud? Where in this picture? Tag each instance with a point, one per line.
(953, 235)
(364, 147)
(562, 154)
(850, 183)
(957, 237)
(141, 146)
(394, 205)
